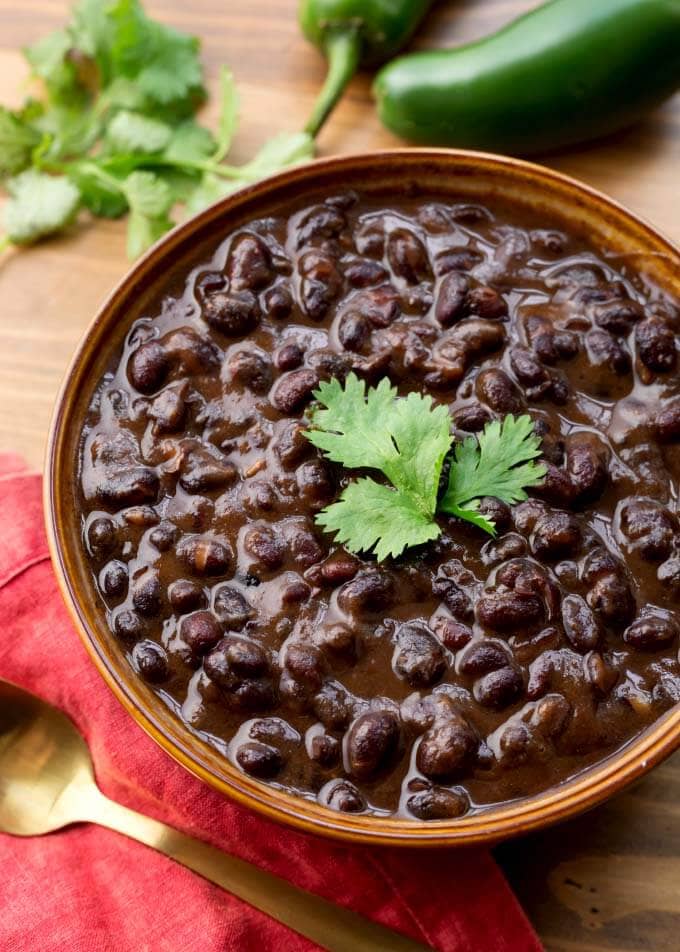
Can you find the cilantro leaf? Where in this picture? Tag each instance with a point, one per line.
(17, 140)
(120, 91)
(150, 199)
(132, 132)
(500, 463)
(228, 120)
(99, 194)
(189, 142)
(370, 516)
(406, 439)
(39, 205)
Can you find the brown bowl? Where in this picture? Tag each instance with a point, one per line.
(436, 172)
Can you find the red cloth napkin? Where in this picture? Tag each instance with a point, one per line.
(87, 889)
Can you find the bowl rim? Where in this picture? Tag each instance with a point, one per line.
(587, 789)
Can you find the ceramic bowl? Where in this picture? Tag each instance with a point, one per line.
(439, 173)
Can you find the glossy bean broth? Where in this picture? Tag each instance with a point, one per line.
(472, 670)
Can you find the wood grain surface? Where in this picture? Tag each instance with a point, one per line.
(610, 880)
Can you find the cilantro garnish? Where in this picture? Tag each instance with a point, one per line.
(115, 129)
(407, 439)
(500, 463)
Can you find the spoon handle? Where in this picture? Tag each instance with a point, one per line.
(330, 926)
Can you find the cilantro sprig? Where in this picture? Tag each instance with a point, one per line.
(407, 439)
(114, 131)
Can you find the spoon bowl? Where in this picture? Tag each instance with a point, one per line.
(45, 766)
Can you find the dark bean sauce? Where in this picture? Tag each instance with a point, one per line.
(471, 671)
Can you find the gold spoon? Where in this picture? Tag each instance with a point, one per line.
(47, 782)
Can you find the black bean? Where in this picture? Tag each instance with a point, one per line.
(205, 555)
(113, 579)
(278, 302)
(407, 256)
(320, 286)
(472, 419)
(612, 599)
(652, 631)
(529, 371)
(580, 625)
(324, 750)
(340, 642)
(452, 634)
(515, 743)
(345, 797)
(354, 331)
(306, 663)
(251, 369)
(655, 344)
(151, 661)
(131, 487)
(618, 316)
(482, 656)
(505, 611)
(315, 483)
(556, 487)
(649, 528)
(333, 705)
(500, 688)
(203, 472)
(289, 357)
(437, 803)
(319, 221)
(372, 743)
(599, 674)
(101, 536)
(259, 760)
(369, 593)
(293, 390)
(556, 535)
(456, 600)
(497, 390)
(231, 607)
(265, 546)
(487, 303)
(666, 421)
(606, 351)
(551, 714)
(362, 273)
(163, 536)
(249, 263)
(148, 367)
(418, 657)
(200, 632)
(128, 625)
(451, 298)
(185, 596)
(446, 750)
(234, 314)
(586, 466)
(146, 593)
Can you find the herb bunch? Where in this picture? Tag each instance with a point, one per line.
(115, 130)
(407, 440)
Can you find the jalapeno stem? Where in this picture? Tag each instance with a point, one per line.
(342, 51)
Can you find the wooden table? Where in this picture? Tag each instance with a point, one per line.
(610, 880)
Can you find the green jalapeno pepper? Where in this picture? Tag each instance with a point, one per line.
(354, 32)
(566, 72)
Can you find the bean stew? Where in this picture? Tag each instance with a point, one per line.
(470, 671)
